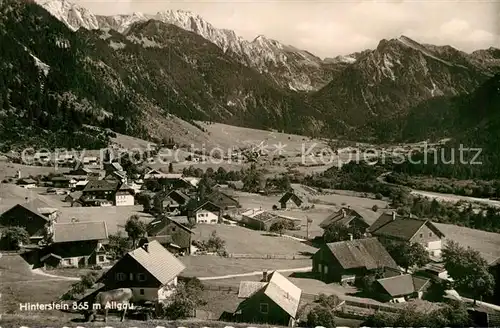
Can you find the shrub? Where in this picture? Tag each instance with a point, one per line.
(321, 316)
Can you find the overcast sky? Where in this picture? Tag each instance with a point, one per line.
(330, 28)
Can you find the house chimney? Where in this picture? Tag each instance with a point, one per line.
(264, 276)
(19, 174)
(351, 237)
(393, 215)
(145, 246)
(343, 213)
(26, 200)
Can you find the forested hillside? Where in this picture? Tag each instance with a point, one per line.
(474, 123)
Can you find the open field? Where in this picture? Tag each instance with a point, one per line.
(211, 265)
(241, 240)
(10, 170)
(227, 136)
(115, 216)
(18, 285)
(11, 195)
(487, 243)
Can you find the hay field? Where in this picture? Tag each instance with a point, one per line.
(241, 240)
(214, 266)
(114, 216)
(19, 285)
(487, 243)
(11, 195)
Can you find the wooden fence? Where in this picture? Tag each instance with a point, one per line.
(220, 288)
(268, 256)
(370, 306)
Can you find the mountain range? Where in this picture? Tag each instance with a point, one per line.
(64, 68)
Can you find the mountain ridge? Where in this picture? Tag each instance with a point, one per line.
(135, 81)
(288, 66)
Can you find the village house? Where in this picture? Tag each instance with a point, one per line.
(399, 289)
(273, 301)
(27, 183)
(348, 218)
(113, 167)
(42, 157)
(76, 244)
(178, 196)
(345, 261)
(65, 159)
(193, 181)
(61, 182)
(125, 196)
(80, 185)
(494, 268)
(294, 223)
(35, 216)
(151, 271)
(83, 173)
(154, 175)
(208, 213)
(290, 200)
(73, 197)
(394, 227)
(164, 203)
(99, 192)
(223, 200)
(120, 177)
(258, 219)
(179, 234)
(90, 161)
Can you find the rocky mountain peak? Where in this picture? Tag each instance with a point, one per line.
(287, 66)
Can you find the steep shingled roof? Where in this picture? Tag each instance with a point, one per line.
(158, 261)
(80, 231)
(395, 226)
(342, 217)
(279, 289)
(361, 253)
(403, 285)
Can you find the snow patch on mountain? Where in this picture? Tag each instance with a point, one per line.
(70, 14)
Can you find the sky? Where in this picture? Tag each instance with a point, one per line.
(331, 28)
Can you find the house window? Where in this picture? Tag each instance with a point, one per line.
(325, 268)
(421, 235)
(67, 262)
(264, 308)
(120, 276)
(141, 291)
(101, 258)
(430, 234)
(173, 228)
(141, 277)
